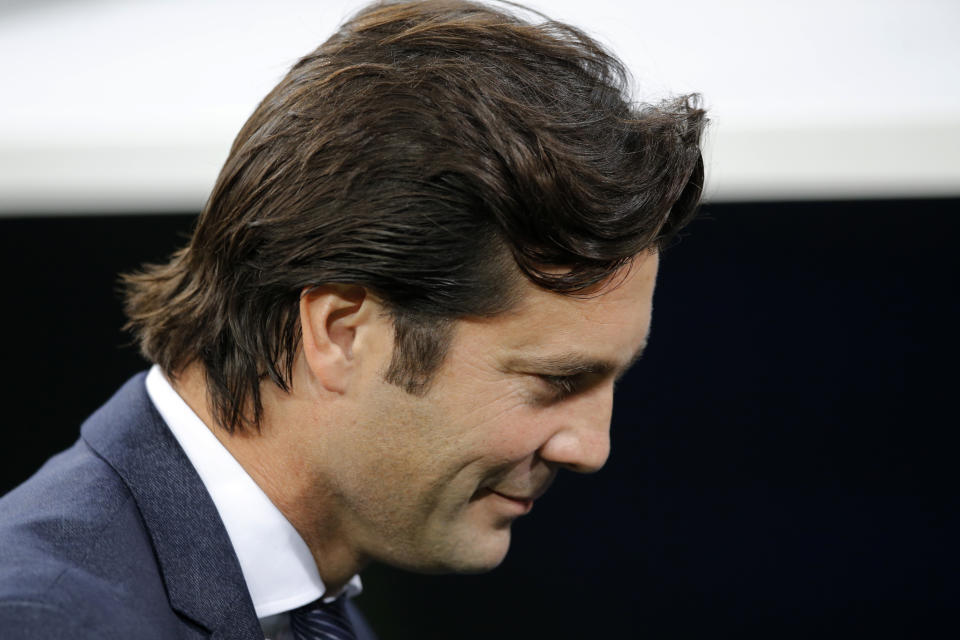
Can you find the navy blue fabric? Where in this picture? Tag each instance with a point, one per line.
(118, 538)
(322, 621)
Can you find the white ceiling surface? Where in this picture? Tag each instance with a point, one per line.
(113, 105)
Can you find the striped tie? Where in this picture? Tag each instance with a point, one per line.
(321, 620)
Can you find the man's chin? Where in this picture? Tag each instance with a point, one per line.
(487, 551)
(477, 553)
(478, 564)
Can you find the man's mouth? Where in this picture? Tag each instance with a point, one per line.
(522, 505)
(520, 501)
(516, 498)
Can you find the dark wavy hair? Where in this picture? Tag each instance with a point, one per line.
(434, 153)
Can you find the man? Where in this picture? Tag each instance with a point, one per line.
(429, 255)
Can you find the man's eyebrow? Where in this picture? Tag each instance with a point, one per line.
(572, 364)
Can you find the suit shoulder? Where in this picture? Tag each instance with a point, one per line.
(72, 539)
(62, 510)
(27, 620)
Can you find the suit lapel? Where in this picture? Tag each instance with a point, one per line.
(200, 569)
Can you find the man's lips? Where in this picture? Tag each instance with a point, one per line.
(520, 504)
(522, 500)
(521, 495)
(513, 497)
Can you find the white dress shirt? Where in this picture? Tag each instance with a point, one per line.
(277, 566)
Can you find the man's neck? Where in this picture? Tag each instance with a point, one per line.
(274, 460)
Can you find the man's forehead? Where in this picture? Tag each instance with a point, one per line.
(623, 294)
(605, 329)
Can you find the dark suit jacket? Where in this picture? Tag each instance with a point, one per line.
(116, 537)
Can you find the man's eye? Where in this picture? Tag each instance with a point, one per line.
(562, 386)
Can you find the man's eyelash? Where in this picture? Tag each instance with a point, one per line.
(563, 385)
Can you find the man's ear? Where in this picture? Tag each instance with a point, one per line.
(330, 315)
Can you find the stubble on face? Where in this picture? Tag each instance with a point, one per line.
(424, 483)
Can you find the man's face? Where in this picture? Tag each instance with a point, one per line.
(433, 483)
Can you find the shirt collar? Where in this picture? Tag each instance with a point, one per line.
(277, 566)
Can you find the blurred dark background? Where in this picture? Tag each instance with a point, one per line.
(783, 456)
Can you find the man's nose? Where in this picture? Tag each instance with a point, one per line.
(581, 442)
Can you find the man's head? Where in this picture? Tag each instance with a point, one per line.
(432, 482)
(440, 155)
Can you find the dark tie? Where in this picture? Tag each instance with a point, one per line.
(321, 620)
